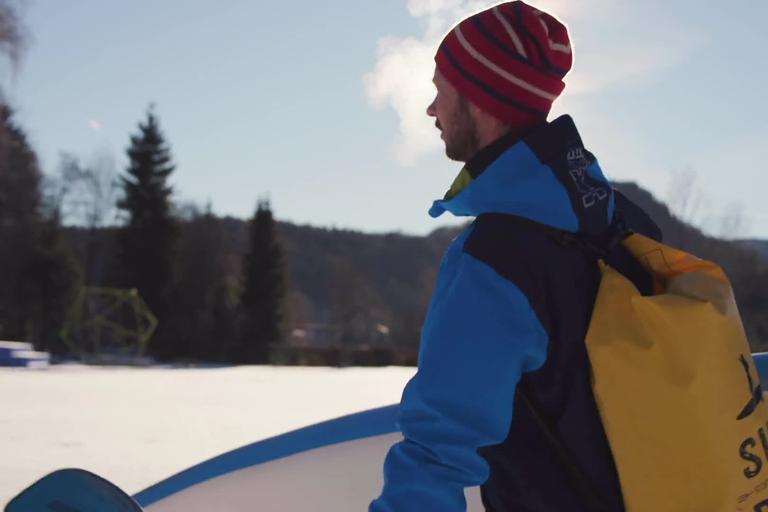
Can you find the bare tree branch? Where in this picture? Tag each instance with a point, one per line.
(89, 192)
(14, 36)
(732, 222)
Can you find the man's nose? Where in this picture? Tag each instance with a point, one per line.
(431, 111)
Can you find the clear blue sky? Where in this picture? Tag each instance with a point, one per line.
(270, 97)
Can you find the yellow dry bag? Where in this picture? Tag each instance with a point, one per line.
(677, 389)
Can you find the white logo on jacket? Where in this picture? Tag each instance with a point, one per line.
(577, 168)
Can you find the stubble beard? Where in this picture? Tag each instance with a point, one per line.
(464, 140)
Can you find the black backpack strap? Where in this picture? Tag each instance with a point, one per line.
(581, 483)
(598, 246)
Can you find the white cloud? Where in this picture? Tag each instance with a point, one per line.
(94, 125)
(570, 10)
(401, 78)
(598, 71)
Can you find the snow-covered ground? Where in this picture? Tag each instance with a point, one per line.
(138, 426)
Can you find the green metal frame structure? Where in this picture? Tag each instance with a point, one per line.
(104, 320)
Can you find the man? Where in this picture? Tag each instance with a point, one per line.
(512, 305)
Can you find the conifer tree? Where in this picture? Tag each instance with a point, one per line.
(38, 276)
(148, 241)
(206, 296)
(263, 302)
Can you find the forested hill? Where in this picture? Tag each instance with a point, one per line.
(392, 275)
(357, 281)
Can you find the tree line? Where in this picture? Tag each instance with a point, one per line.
(179, 268)
(96, 259)
(228, 290)
(91, 248)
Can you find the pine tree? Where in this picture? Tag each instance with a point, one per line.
(147, 243)
(38, 276)
(263, 302)
(207, 293)
(53, 277)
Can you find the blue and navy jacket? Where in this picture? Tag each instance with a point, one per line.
(511, 306)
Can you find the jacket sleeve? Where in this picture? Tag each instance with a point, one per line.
(480, 335)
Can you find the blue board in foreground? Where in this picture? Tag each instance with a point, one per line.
(331, 466)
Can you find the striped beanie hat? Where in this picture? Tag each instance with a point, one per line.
(509, 60)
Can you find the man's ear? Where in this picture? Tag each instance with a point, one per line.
(482, 117)
(476, 112)
(487, 122)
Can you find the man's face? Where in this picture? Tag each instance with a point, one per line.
(454, 119)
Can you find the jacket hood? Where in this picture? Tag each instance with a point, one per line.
(548, 177)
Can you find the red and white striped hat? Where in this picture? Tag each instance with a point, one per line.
(510, 60)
